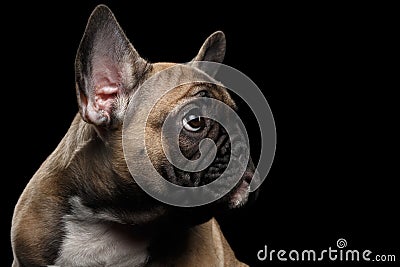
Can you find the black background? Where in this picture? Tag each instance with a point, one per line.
(328, 73)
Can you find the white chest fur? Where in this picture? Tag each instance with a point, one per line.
(90, 240)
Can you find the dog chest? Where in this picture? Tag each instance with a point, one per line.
(92, 242)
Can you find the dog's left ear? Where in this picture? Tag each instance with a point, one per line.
(107, 67)
(213, 48)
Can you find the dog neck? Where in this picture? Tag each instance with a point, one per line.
(94, 172)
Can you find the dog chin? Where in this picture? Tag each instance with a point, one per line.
(240, 195)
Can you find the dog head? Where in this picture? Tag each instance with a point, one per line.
(109, 71)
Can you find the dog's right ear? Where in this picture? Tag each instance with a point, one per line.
(107, 67)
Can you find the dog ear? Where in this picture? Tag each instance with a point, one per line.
(213, 48)
(107, 67)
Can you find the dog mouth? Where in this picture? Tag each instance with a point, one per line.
(235, 197)
(240, 194)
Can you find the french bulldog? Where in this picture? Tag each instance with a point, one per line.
(83, 207)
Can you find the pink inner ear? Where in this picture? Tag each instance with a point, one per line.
(107, 81)
(104, 97)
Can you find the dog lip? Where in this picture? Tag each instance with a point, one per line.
(240, 193)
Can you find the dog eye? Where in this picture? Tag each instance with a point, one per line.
(203, 93)
(193, 122)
